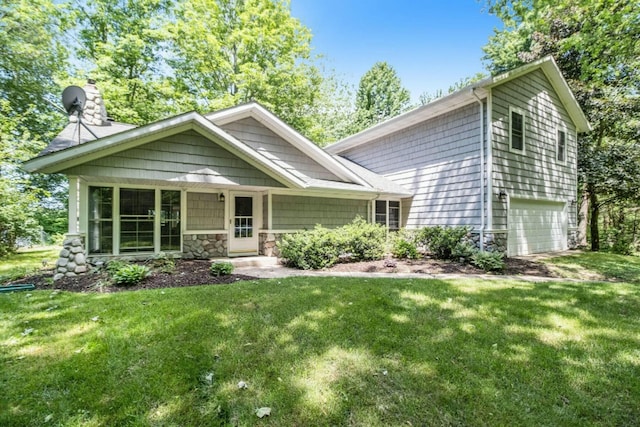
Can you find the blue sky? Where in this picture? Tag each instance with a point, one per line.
(430, 43)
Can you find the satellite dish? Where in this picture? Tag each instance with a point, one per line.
(73, 99)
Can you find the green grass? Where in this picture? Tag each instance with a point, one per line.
(325, 351)
(27, 261)
(594, 265)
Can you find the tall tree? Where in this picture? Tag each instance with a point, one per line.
(122, 44)
(380, 96)
(31, 60)
(228, 52)
(596, 47)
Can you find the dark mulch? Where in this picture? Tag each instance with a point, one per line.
(186, 273)
(196, 272)
(514, 266)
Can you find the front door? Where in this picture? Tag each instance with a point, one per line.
(243, 230)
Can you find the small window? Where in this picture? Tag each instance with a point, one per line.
(388, 214)
(516, 130)
(561, 150)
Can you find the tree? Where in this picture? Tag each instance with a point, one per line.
(123, 43)
(595, 45)
(31, 60)
(427, 97)
(380, 96)
(228, 52)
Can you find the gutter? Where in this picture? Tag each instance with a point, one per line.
(482, 172)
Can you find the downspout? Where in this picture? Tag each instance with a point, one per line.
(482, 174)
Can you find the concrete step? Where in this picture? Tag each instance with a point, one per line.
(253, 261)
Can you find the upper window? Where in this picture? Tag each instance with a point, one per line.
(516, 129)
(561, 146)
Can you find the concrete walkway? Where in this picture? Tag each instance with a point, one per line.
(276, 271)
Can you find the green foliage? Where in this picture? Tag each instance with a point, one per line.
(362, 240)
(310, 249)
(128, 274)
(221, 268)
(322, 248)
(404, 249)
(380, 96)
(488, 261)
(164, 263)
(445, 242)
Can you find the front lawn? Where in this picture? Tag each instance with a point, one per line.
(590, 265)
(324, 351)
(27, 261)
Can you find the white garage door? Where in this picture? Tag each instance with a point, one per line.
(536, 226)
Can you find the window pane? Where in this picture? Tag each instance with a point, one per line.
(517, 131)
(244, 206)
(100, 233)
(394, 215)
(562, 141)
(381, 212)
(137, 216)
(170, 221)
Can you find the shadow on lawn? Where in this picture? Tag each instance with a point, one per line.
(327, 351)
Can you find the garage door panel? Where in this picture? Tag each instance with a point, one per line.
(536, 226)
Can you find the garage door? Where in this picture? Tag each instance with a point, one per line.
(536, 226)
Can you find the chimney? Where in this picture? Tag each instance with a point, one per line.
(94, 112)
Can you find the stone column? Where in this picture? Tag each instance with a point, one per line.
(72, 260)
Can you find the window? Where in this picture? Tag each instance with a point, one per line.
(388, 214)
(100, 233)
(137, 217)
(561, 144)
(516, 129)
(170, 221)
(243, 223)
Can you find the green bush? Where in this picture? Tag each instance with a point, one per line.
(444, 242)
(114, 265)
(488, 261)
(130, 274)
(221, 268)
(164, 263)
(404, 249)
(310, 249)
(362, 240)
(322, 248)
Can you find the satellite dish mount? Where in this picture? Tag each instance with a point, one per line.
(73, 100)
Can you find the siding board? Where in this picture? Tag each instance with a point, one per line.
(300, 212)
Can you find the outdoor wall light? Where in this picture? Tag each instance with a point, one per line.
(221, 197)
(573, 202)
(502, 195)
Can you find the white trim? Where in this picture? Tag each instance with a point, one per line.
(489, 193)
(269, 209)
(73, 205)
(521, 112)
(115, 218)
(536, 198)
(194, 232)
(325, 194)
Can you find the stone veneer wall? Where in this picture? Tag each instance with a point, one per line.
(267, 244)
(72, 260)
(572, 239)
(204, 246)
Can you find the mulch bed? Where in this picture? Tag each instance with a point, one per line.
(186, 273)
(196, 272)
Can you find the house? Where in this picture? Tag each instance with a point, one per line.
(499, 155)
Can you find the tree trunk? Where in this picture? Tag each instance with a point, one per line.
(583, 216)
(595, 214)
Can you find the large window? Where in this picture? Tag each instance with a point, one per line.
(516, 129)
(561, 146)
(388, 214)
(100, 233)
(137, 216)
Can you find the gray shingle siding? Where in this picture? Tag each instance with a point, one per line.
(536, 173)
(187, 157)
(439, 160)
(265, 141)
(300, 212)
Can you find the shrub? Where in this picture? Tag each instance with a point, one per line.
(221, 268)
(310, 249)
(404, 249)
(164, 263)
(114, 265)
(488, 261)
(444, 242)
(130, 274)
(362, 240)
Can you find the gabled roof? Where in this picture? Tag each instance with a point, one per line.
(69, 153)
(75, 134)
(467, 96)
